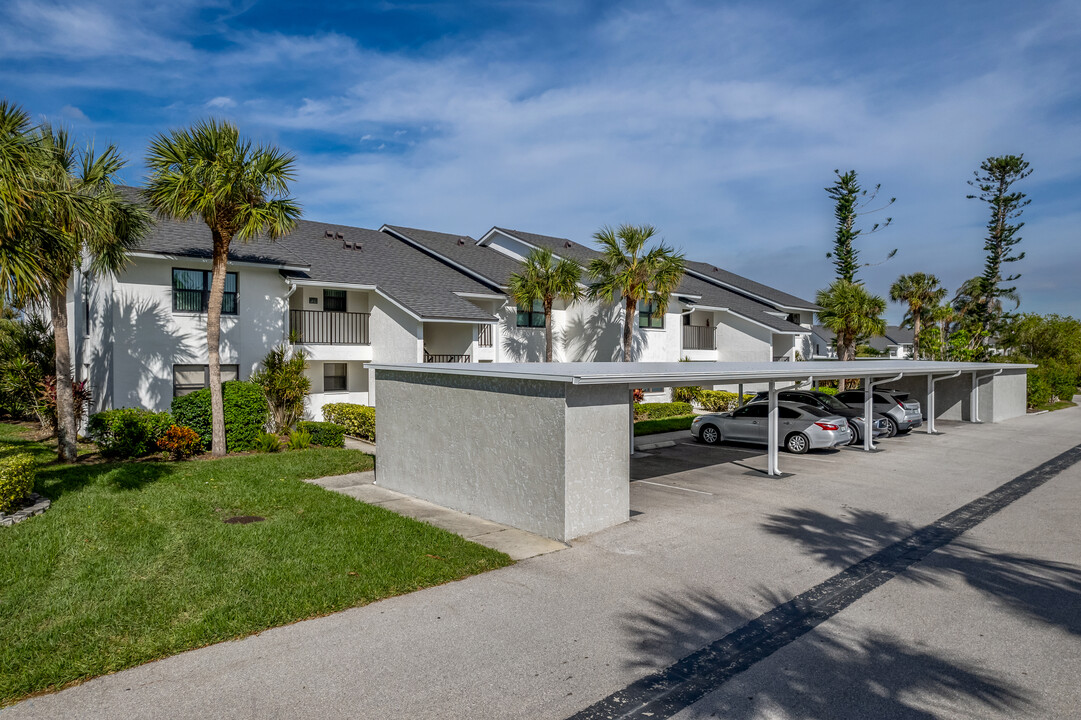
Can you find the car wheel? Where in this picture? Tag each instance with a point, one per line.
(797, 443)
(856, 439)
(710, 435)
(891, 427)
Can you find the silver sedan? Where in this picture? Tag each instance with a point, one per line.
(799, 427)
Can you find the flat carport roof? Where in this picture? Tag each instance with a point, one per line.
(619, 376)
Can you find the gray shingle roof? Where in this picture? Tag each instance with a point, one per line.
(463, 250)
(419, 282)
(422, 284)
(714, 296)
(191, 238)
(750, 286)
(560, 246)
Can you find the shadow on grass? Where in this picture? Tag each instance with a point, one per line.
(1041, 589)
(56, 479)
(838, 673)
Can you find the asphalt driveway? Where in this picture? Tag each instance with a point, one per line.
(731, 594)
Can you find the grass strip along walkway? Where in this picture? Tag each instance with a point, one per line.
(133, 562)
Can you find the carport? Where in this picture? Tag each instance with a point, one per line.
(545, 446)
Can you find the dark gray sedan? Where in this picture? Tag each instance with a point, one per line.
(800, 427)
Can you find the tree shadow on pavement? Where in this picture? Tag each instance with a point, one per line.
(1042, 589)
(835, 672)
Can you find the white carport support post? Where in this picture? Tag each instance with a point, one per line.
(868, 409)
(630, 413)
(931, 381)
(771, 437)
(739, 400)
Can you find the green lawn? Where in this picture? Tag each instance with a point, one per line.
(133, 561)
(1059, 405)
(650, 427)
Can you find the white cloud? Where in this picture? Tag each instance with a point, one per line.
(221, 102)
(73, 113)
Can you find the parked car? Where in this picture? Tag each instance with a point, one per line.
(901, 413)
(800, 427)
(828, 402)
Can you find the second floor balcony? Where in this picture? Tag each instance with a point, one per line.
(699, 337)
(319, 327)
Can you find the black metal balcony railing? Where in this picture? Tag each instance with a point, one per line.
(699, 337)
(429, 358)
(316, 327)
(484, 335)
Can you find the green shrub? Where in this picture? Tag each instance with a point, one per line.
(246, 413)
(181, 442)
(358, 420)
(827, 389)
(300, 440)
(1049, 381)
(267, 443)
(128, 432)
(1039, 389)
(720, 400)
(285, 383)
(658, 411)
(327, 434)
(17, 474)
(686, 394)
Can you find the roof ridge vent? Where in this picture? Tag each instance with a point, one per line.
(339, 235)
(357, 246)
(568, 244)
(329, 234)
(461, 241)
(716, 269)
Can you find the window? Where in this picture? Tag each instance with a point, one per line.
(646, 315)
(334, 377)
(191, 291)
(533, 317)
(189, 378)
(788, 413)
(86, 307)
(755, 410)
(334, 301)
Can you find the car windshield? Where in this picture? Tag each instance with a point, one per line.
(831, 402)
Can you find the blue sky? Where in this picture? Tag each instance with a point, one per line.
(718, 123)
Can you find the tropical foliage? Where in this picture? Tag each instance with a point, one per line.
(285, 382)
(852, 313)
(27, 357)
(922, 293)
(850, 202)
(629, 271)
(544, 279)
(240, 191)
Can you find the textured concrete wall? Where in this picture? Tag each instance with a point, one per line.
(597, 462)
(1000, 398)
(395, 335)
(525, 453)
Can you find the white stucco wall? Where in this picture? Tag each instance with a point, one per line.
(136, 338)
(396, 337)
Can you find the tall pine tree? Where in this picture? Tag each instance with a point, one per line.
(850, 201)
(994, 181)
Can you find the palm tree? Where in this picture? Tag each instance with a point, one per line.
(627, 270)
(79, 216)
(240, 191)
(852, 313)
(921, 291)
(542, 280)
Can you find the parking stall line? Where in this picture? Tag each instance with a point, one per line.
(674, 487)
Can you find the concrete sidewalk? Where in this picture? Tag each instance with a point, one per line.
(987, 627)
(519, 544)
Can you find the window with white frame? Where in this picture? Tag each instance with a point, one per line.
(189, 378)
(334, 377)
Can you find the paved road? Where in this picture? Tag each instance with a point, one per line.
(987, 625)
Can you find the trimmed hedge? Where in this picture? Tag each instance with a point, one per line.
(1049, 381)
(17, 473)
(719, 400)
(358, 420)
(246, 413)
(658, 411)
(327, 434)
(128, 432)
